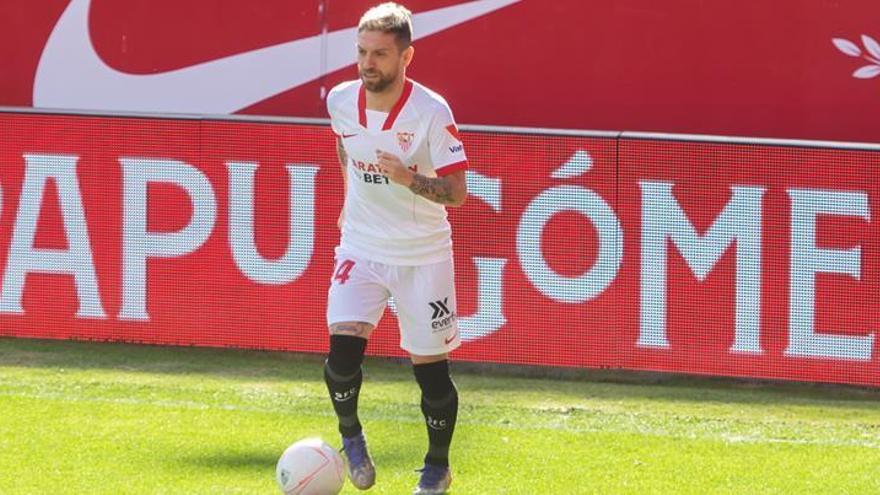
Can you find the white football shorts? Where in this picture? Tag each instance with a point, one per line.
(424, 296)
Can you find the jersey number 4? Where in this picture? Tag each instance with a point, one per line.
(342, 271)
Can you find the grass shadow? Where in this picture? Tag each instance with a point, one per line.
(258, 459)
(231, 461)
(283, 366)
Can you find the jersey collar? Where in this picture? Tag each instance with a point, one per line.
(395, 110)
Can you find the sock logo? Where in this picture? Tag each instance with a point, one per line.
(345, 396)
(442, 316)
(436, 424)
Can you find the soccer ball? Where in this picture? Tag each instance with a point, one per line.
(310, 467)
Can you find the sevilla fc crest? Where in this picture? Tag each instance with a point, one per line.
(405, 139)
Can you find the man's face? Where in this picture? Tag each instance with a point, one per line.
(380, 60)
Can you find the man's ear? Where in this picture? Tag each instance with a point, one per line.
(408, 55)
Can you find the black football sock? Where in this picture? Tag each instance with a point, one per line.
(343, 376)
(440, 408)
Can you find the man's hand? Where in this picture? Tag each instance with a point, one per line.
(450, 190)
(394, 169)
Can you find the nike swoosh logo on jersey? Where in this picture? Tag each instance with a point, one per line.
(70, 74)
(346, 136)
(450, 339)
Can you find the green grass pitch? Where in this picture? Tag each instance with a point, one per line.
(86, 418)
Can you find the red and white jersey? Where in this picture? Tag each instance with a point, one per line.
(384, 221)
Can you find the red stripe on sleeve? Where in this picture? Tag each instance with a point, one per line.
(451, 168)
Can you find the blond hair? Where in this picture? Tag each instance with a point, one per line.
(389, 17)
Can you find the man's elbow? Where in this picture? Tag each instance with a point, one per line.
(459, 198)
(458, 189)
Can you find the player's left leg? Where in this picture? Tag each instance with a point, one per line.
(440, 408)
(426, 305)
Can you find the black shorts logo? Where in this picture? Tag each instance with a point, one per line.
(440, 308)
(442, 316)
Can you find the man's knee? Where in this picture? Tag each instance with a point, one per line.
(360, 329)
(345, 357)
(435, 381)
(417, 359)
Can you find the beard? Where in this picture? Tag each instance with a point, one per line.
(377, 84)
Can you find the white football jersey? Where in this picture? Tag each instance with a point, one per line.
(384, 221)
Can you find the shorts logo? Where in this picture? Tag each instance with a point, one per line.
(440, 308)
(442, 316)
(405, 139)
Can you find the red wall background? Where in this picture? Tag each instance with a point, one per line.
(556, 248)
(749, 68)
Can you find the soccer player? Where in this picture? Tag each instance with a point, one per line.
(403, 163)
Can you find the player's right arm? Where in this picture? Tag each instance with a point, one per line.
(333, 111)
(343, 161)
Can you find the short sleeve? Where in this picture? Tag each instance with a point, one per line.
(332, 99)
(447, 150)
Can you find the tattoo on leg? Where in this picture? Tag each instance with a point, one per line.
(358, 329)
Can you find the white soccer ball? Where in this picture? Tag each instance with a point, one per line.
(310, 467)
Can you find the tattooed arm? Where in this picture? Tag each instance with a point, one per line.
(449, 190)
(343, 162)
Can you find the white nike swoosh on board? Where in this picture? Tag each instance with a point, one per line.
(70, 73)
